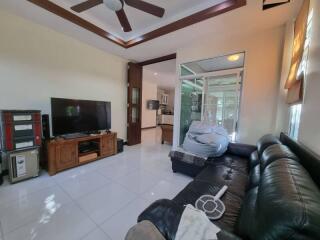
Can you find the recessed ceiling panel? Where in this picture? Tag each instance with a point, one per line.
(140, 21)
(213, 64)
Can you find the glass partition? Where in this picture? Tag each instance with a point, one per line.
(212, 97)
(191, 104)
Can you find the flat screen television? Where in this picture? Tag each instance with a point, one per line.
(79, 116)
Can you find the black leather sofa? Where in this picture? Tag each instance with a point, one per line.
(273, 192)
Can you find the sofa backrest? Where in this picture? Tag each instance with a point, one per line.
(275, 152)
(266, 141)
(288, 203)
(308, 159)
(282, 199)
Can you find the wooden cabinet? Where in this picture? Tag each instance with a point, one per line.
(66, 155)
(108, 145)
(63, 154)
(167, 134)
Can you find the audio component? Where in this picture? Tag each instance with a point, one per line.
(19, 129)
(45, 126)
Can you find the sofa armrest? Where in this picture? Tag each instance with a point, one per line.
(225, 235)
(240, 149)
(162, 212)
(144, 230)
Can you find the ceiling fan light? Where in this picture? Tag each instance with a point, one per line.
(114, 5)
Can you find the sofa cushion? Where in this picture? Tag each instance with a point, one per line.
(254, 159)
(308, 159)
(254, 177)
(196, 189)
(232, 161)
(275, 152)
(162, 212)
(287, 205)
(266, 141)
(247, 220)
(222, 175)
(210, 181)
(240, 149)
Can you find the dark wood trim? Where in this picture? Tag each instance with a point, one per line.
(146, 128)
(216, 10)
(266, 6)
(61, 12)
(159, 59)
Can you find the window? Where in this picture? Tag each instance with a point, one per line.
(295, 110)
(295, 115)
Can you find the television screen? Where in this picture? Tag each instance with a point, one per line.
(76, 116)
(153, 104)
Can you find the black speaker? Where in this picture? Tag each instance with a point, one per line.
(120, 145)
(1, 177)
(45, 126)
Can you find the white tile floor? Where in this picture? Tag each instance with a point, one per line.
(97, 201)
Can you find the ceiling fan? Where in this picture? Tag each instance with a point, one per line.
(117, 6)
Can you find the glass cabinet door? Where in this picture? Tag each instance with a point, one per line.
(135, 96)
(135, 101)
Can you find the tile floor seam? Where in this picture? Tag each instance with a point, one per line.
(85, 213)
(23, 225)
(138, 193)
(98, 227)
(106, 220)
(83, 195)
(134, 171)
(38, 190)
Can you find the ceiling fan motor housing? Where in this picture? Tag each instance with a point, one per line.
(114, 5)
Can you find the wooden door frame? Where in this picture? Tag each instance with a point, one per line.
(158, 59)
(142, 64)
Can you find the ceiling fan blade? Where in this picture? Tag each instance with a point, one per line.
(124, 20)
(146, 7)
(86, 5)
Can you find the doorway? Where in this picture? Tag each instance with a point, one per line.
(158, 93)
(151, 93)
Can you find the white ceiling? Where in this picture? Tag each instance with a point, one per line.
(163, 74)
(141, 22)
(246, 19)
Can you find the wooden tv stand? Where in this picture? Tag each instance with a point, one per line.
(63, 154)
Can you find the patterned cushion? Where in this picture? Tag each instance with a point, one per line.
(187, 158)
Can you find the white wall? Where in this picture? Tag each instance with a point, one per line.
(261, 77)
(149, 92)
(37, 63)
(283, 113)
(309, 132)
(171, 99)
